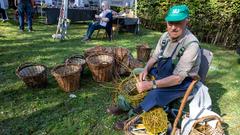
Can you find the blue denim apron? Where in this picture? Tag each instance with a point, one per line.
(163, 96)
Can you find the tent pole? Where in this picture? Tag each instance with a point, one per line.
(41, 7)
(100, 1)
(136, 8)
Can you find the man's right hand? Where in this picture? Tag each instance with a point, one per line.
(143, 75)
(97, 16)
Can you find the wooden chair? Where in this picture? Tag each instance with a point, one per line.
(206, 60)
(103, 32)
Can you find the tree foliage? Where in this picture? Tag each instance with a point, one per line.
(213, 21)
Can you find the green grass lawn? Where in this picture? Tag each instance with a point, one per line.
(51, 111)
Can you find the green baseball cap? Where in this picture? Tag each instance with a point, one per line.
(177, 13)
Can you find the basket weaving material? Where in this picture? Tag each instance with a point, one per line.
(153, 122)
(67, 76)
(143, 52)
(101, 66)
(33, 75)
(128, 89)
(200, 127)
(128, 86)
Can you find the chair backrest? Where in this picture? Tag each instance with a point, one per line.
(206, 60)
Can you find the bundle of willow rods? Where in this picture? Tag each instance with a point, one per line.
(155, 121)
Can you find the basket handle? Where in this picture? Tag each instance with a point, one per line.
(75, 56)
(205, 119)
(78, 56)
(26, 64)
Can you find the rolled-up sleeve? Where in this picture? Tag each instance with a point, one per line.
(188, 60)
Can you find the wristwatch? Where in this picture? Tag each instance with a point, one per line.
(154, 84)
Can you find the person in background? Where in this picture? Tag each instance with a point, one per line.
(103, 21)
(25, 6)
(3, 7)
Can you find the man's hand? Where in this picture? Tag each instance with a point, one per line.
(144, 86)
(97, 16)
(143, 75)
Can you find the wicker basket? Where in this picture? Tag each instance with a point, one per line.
(67, 76)
(98, 50)
(78, 60)
(205, 129)
(101, 66)
(122, 60)
(33, 75)
(143, 52)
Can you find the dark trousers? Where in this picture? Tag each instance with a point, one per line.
(22, 9)
(92, 27)
(3, 12)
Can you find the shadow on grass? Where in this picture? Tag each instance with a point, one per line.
(81, 115)
(216, 91)
(49, 111)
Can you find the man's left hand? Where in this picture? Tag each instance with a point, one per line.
(144, 86)
(97, 16)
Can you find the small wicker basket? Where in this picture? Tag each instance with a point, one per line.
(200, 127)
(101, 66)
(33, 75)
(143, 52)
(78, 60)
(67, 76)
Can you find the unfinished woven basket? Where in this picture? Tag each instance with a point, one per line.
(33, 75)
(143, 52)
(200, 127)
(67, 76)
(101, 66)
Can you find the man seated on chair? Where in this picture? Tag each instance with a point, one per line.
(177, 57)
(104, 20)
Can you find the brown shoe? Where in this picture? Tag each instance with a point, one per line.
(115, 110)
(119, 125)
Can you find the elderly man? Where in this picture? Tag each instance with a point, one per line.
(177, 59)
(104, 20)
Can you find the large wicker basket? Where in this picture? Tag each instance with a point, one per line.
(67, 76)
(101, 66)
(78, 60)
(143, 52)
(200, 127)
(33, 75)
